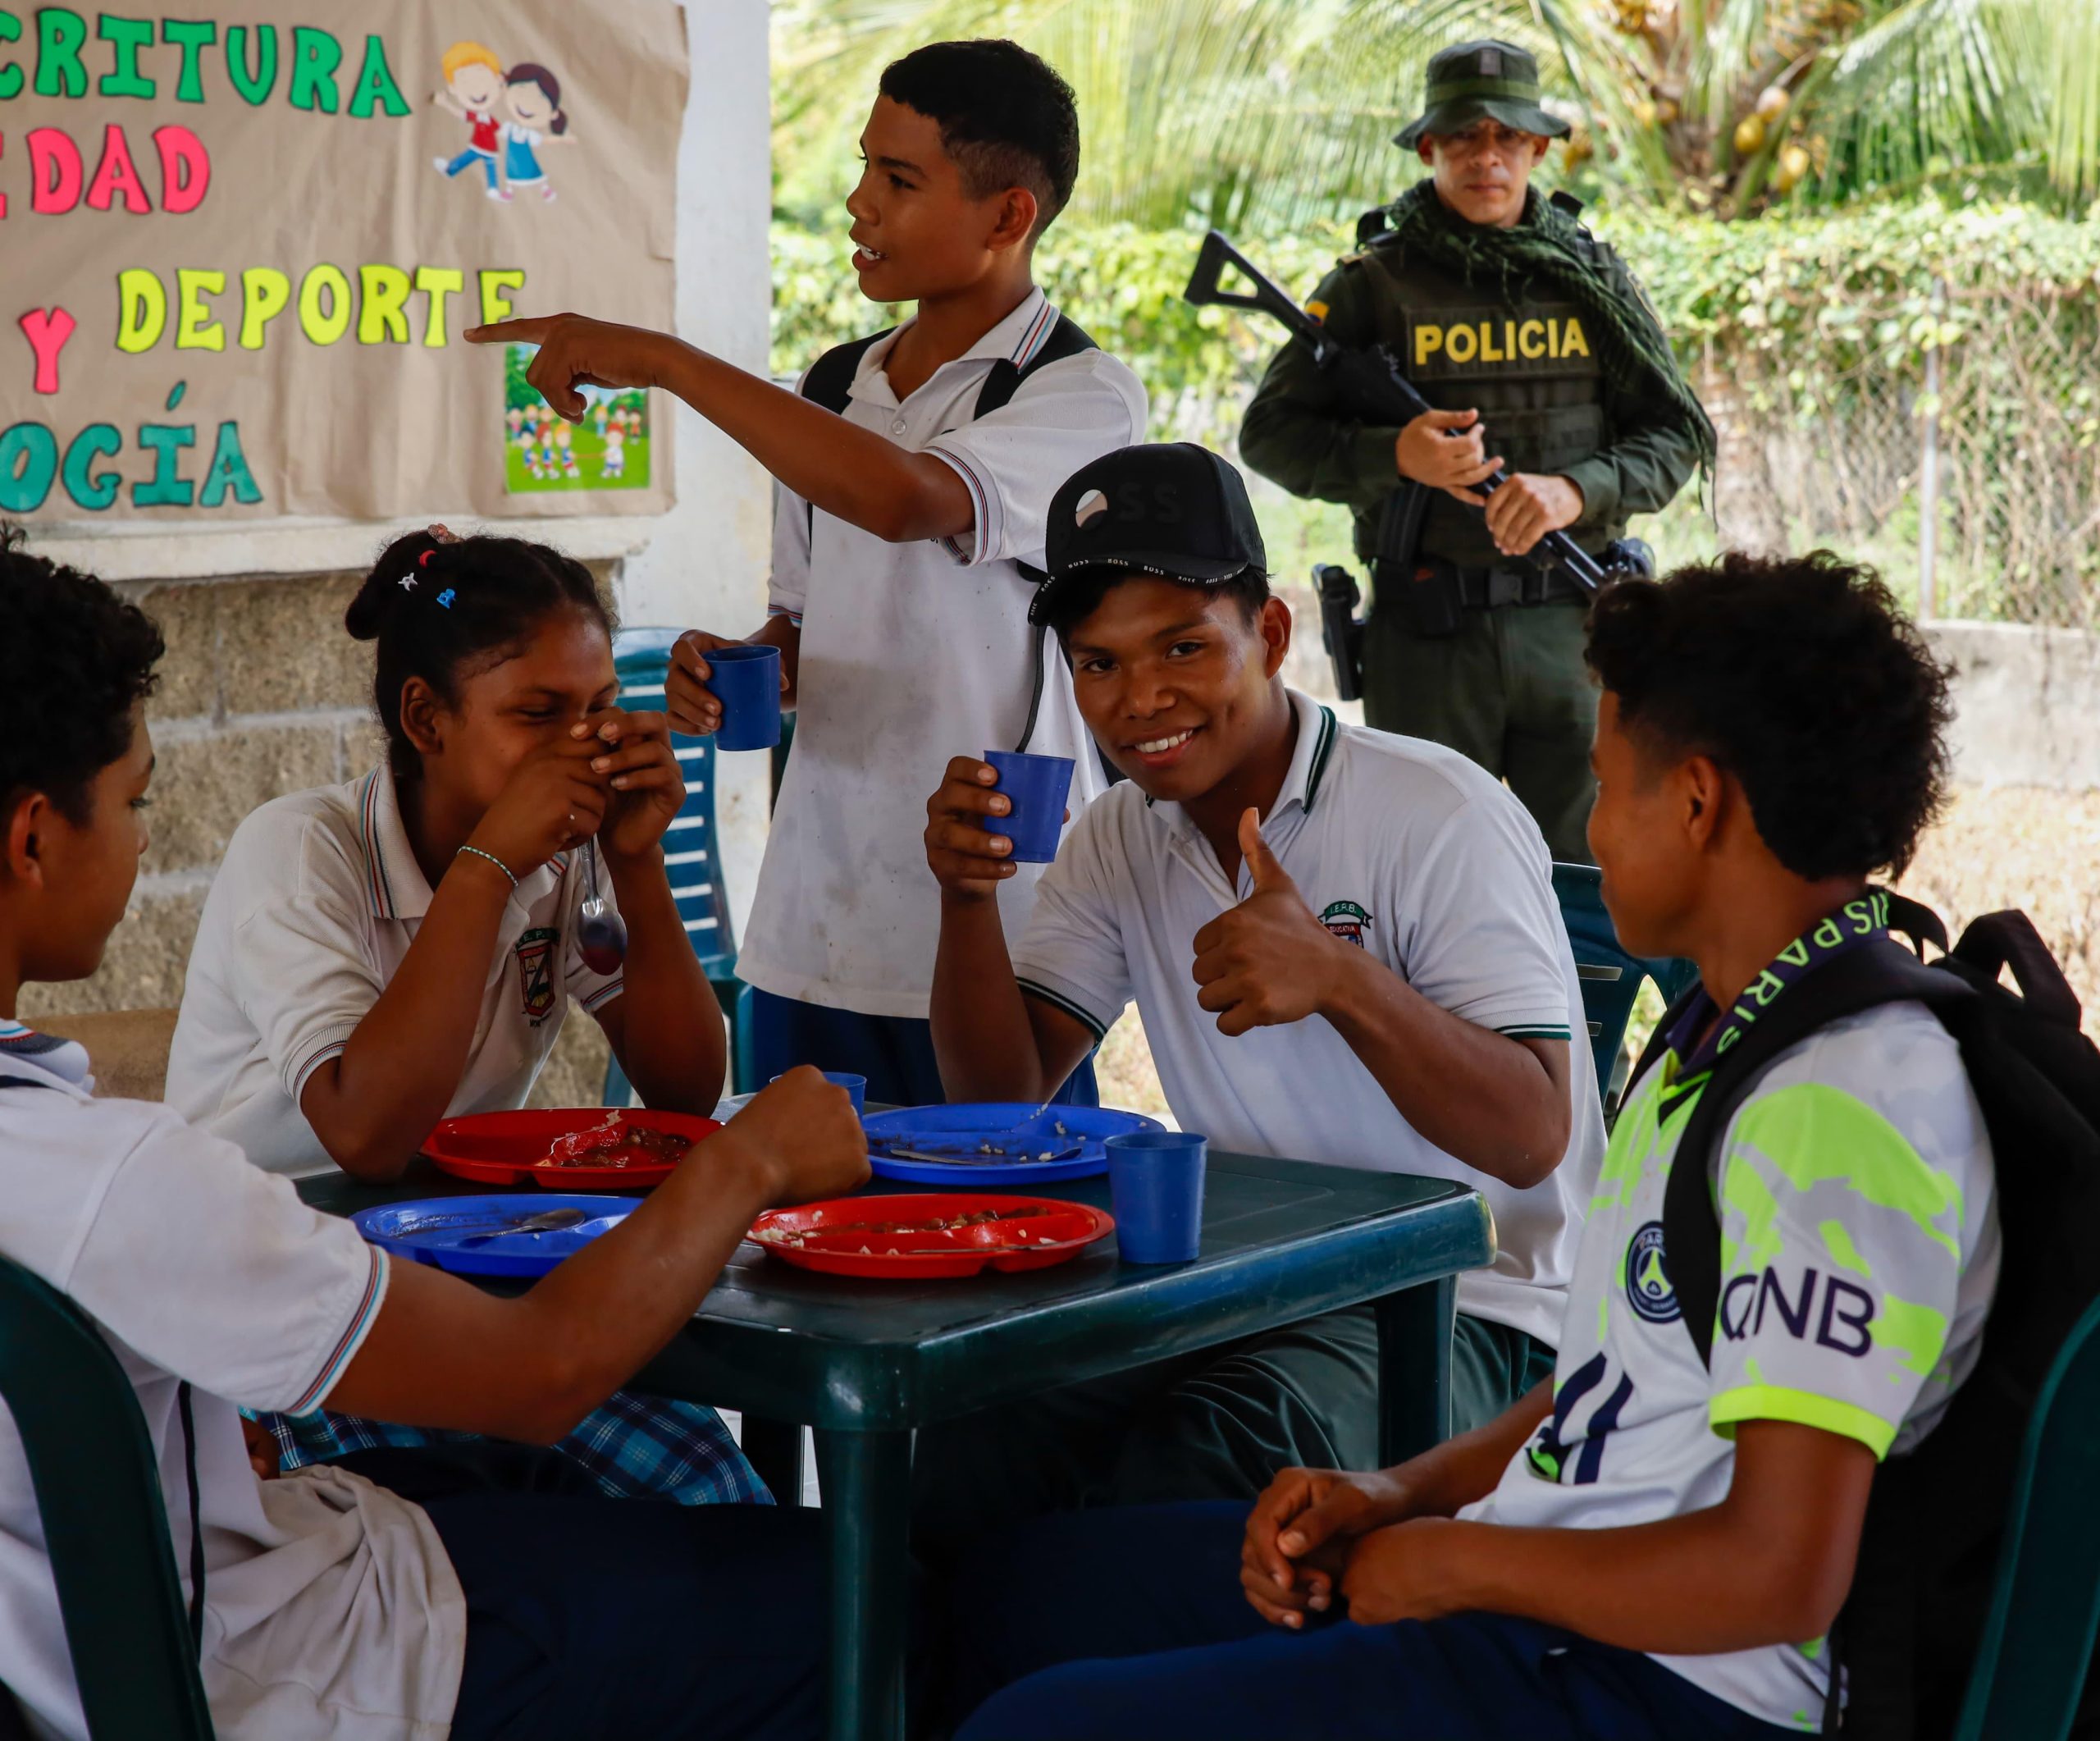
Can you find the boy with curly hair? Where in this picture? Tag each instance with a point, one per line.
(1644, 1547)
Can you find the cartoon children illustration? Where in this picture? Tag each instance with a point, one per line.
(473, 88)
(598, 415)
(615, 465)
(565, 441)
(526, 438)
(549, 460)
(533, 117)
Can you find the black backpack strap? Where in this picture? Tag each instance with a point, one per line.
(829, 383)
(1878, 972)
(1067, 339)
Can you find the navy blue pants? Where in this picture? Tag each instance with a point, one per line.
(1130, 1622)
(894, 1053)
(595, 1619)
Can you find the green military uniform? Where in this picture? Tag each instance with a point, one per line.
(1542, 330)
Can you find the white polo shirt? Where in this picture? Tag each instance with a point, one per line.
(312, 909)
(914, 653)
(1403, 847)
(331, 1612)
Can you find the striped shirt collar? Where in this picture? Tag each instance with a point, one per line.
(1015, 340)
(1309, 757)
(394, 881)
(43, 1060)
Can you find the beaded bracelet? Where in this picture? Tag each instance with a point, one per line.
(493, 860)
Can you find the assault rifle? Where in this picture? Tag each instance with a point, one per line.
(1373, 387)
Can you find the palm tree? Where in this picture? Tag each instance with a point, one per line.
(1239, 112)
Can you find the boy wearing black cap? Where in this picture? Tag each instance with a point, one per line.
(1264, 865)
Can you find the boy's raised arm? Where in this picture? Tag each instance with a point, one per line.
(851, 473)
(992, 1041)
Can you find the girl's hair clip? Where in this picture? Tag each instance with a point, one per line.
(423, 560)
(446, 596)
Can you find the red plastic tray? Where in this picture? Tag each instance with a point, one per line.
(511, 1148)
(843, 1236)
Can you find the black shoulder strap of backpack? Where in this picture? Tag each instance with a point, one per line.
(829, 383)
(1878, 972)
(1067, 339)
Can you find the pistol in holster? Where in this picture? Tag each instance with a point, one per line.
(1341, 631)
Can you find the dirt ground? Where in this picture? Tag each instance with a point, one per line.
(2014, 846)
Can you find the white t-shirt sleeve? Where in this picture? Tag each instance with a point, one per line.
(299, 967)
(1071, 955)
(1012, 462)
(593, 989)
(215, 1270)
(788, 590)
(1486, 940)
(1842, 1251)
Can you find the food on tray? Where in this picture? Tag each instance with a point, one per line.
(893, 1229)
(615, 1142)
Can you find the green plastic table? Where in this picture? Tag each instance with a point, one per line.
(865, 1363)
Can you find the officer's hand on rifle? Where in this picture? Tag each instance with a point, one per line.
(1432, 451)
(1529, 506)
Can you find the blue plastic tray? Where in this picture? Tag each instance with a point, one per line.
(914, 1126)
(431, 1231)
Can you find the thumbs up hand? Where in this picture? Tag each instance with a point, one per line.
(1267, 962)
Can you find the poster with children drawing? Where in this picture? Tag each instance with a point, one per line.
(240, 247)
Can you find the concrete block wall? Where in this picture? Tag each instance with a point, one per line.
(262, 692)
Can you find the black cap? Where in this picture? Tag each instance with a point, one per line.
(1167, 507)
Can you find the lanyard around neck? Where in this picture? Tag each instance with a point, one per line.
(1836, 934)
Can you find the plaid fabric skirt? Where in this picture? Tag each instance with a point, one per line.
(634, 1447)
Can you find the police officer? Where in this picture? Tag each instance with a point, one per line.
(1539, 353)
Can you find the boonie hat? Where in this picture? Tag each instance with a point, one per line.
(1481, 81)
(1167, 507)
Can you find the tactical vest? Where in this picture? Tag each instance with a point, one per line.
(1530, 370)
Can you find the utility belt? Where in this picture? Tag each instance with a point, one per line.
(1432, 595)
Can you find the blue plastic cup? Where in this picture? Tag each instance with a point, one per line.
(1038, 787)
(746, 680)
(856, 1086)
(1156, 1186)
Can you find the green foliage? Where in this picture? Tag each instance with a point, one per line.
(1822, 295)
(1264, 113)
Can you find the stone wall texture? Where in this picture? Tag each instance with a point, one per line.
(262, 693)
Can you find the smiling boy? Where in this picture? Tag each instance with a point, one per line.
(1345, 948)
(1649, 1547)
(906, 516)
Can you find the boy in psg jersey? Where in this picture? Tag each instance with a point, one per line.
(1345, 948)
(1644, 1547)
(901, 527)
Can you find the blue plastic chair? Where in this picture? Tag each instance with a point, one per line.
(1611, 978)
(691, 851)
(99, 1492)
(2037, 1648)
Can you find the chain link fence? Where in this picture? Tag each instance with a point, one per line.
(1971, 476)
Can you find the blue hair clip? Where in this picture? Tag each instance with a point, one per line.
(446, 596)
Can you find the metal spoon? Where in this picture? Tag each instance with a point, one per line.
(601, 938)
(547, 1221)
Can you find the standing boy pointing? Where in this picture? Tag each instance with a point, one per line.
(902, 527)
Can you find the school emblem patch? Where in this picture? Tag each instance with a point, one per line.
(1347, 920)
(535, 972)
